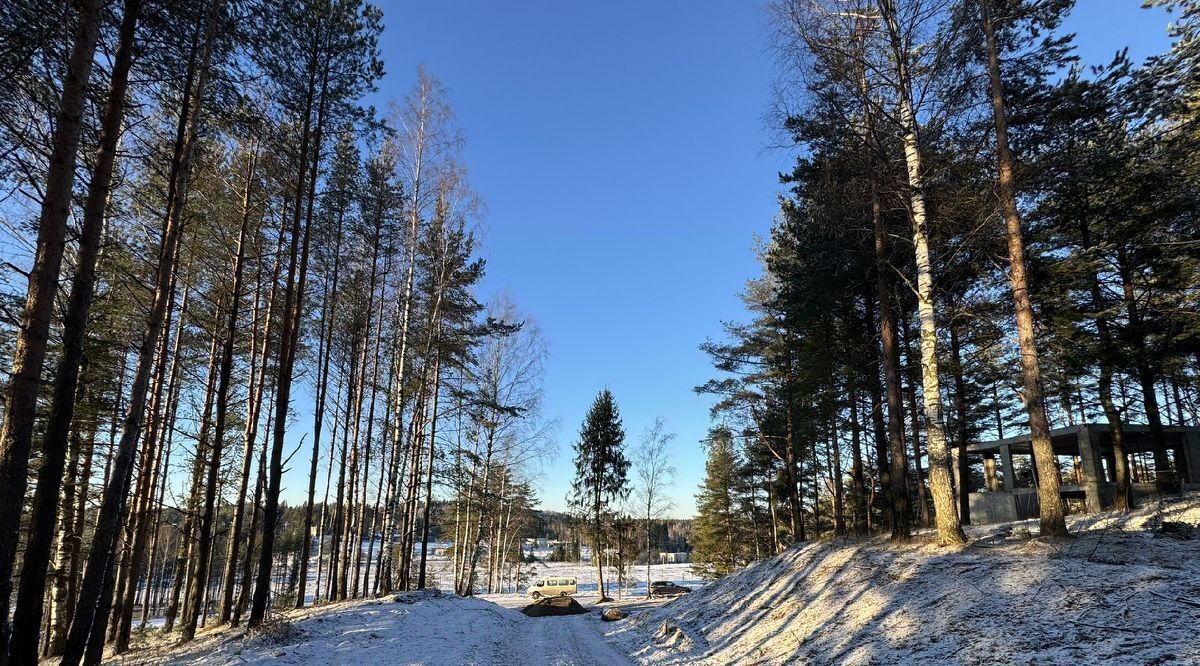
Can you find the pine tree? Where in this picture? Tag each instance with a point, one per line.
(1034, 19)
(21, 393)
(600, 470)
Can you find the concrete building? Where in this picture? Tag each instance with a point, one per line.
(1085, 457)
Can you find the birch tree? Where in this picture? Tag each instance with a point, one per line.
(655, 475)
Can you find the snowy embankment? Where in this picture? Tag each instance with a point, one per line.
(1123, 590)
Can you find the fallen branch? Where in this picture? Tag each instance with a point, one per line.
(1186, 602)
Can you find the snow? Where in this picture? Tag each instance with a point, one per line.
(1120, 592)
(423, 628)
(585, 575)
(408, 628)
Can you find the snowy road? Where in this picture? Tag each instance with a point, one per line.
(574, 640)
(417, 629)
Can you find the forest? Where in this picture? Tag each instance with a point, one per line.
(252, 370)
(221, 237)
(983, 237)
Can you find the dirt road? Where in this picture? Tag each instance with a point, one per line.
(572, 640)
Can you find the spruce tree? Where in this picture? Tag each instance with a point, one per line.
(717, 531)
(600, 471)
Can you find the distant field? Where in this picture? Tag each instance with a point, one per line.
(585, 574)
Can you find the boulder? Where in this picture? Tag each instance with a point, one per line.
(612, 614)
(671, 636)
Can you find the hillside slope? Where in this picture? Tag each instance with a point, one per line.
(1123, 590)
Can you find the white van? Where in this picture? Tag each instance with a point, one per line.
(553, 587)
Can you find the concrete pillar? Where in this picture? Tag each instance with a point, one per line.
(1006, 464)
(1089, 459)
(989, 473)
(1189, 466)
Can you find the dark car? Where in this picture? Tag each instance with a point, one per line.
(666, 588)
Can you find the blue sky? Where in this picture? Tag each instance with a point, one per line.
(622, 152)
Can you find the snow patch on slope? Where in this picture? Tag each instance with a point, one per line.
(1124, 590)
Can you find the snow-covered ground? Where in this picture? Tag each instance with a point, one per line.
(425, 628)
(410, 628)
(1122, 591)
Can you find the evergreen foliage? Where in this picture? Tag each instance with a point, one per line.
(720, 529)
(600, 472)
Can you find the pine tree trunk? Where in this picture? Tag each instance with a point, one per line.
(200, 571)
(366, 529)
(68, 538)
(159, 487)
(897, 488)
(835, 460)
(914, 414)
(377, 518)
(857, 482)
(1123, 501)
(20, 400)
(349, 463)
(415, 449)
(336, 590)
(245, 586)
(791, 476)
(351, 544)
(1053, 521)
(370, 348)
(597, 551)
(293, 310)
(434, 328)
(1144, 373)
(1164, 479)
(875, 391)
(469, 583)
(326, 522)
(30, 594)
(437, 364)
(141, 513)
(375, 314)
(328, 317)
(95, 647)
(193, 588)
(255, 390)
(95, 590)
